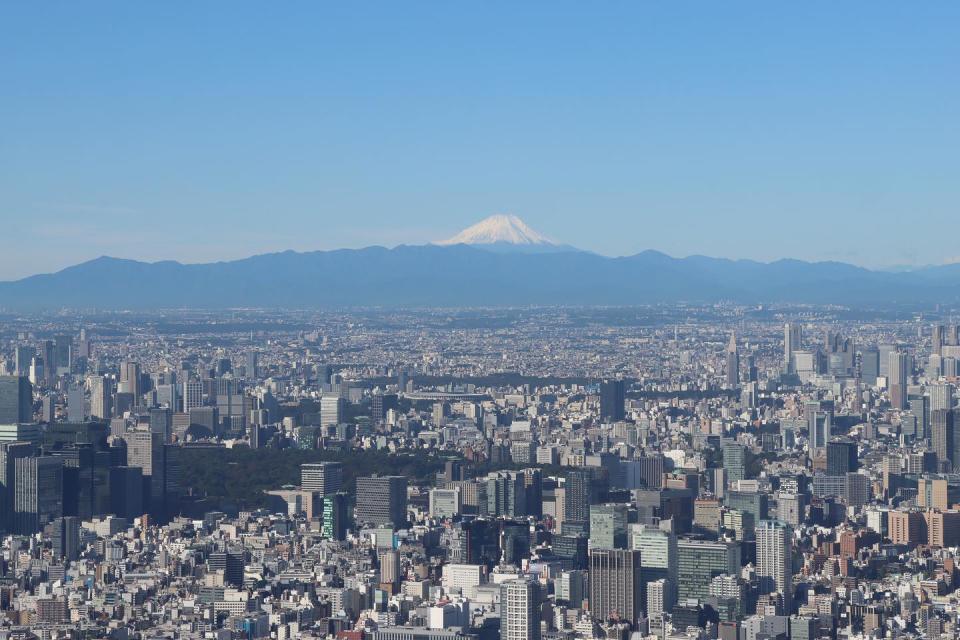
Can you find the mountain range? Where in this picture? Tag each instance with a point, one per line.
(498, 262)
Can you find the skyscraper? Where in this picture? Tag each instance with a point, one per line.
(612, 399)
(616, 590)
(38, 493)
(16, 400)
(519, 610)
(735, 461)
(792, 340)
(899, 378)
(100, 397)
(733, 362)
(381, 500)
(700, 561)
(9, 453)
(775, 560)
(322, 477)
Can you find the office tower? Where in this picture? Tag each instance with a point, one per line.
(612, 400)
(145, 450)
(231, 563)
(16, 400)
(659, 598)
(733, 362)
(645, 472)
(224, 366)
(323, 477)
(38, 493)
(818, 425)
(47, 356)
(65, 538)
(332, 410)
(700, 561)
(252, 366)
(899, 378)
(445, 503)
(608, 526)
(841, 457)
(389, 566)
(381, 500)
(76, 404)
(336, 516)
(941, 396)
(23, 355)
(381, 403)
(9, 453)
(937, 339)
(130, 380)
(735, 461)
(577, 494)
(616, 590)
(792, 340)
(944, 436)
(63, 354)
(519, 610)
(101, 397)
(919, 411)
(658, 556)
(870, 366)
(506, 495)
(192, 395)
(775, 560)
(126, 492)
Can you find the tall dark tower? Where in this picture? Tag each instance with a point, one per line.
(612, 399)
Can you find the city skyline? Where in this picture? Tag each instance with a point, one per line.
(149, 133)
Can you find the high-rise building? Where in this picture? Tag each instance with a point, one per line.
(381, 500)
(733, 363)
(577, 494)
(942, 435)
(145, 450)
(937, 339)
(126, 492)
(332, 410)
(841, 457)
(899, 378)
(252, 365)
(323, 477)
(65, 537)
(792, 341)
(38, 493)
(612, 400)
(101, 396)
(336, 516)
(700, 561)
(616, 590)
(519, 610)
(231, 563)
(608, 526)
(23, 355)
(130, 379)
(16, 400)
(775, 560)
(9, 453)
(192, 395)
(658, 556)
(941, 396)
(735, 461)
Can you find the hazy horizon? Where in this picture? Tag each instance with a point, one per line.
(210, 132)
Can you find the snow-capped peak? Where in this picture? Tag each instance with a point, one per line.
(499, 229)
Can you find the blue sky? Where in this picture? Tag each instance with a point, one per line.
(209, 131)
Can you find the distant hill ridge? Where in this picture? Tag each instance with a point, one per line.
(458, 274)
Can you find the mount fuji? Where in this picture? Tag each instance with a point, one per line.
(505, 233)
(496, 262)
